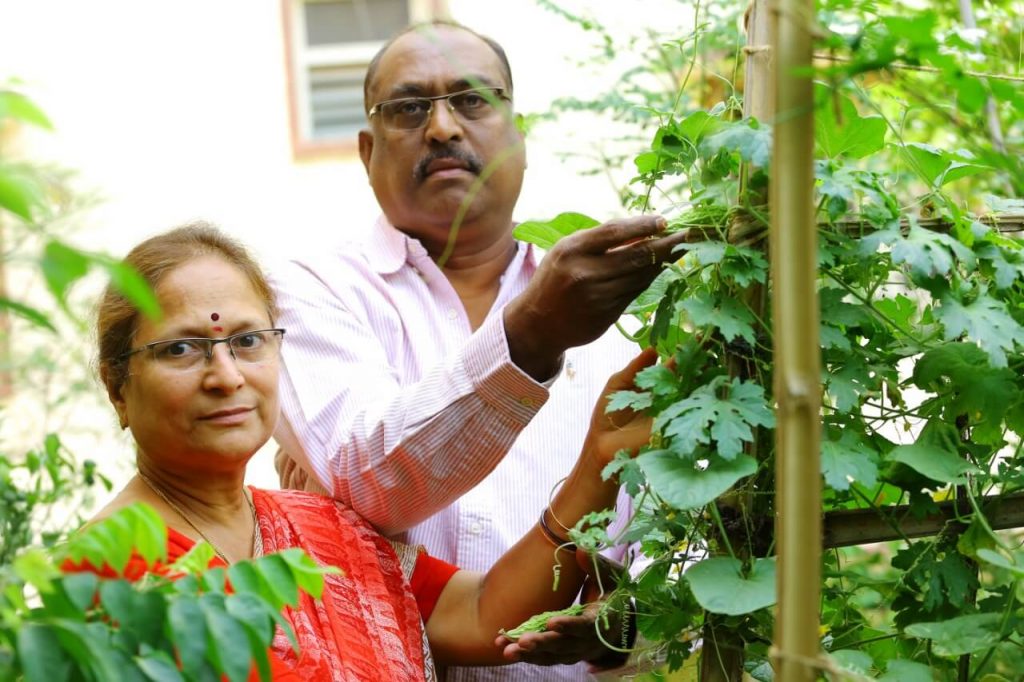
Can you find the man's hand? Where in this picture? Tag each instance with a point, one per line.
(581, 288)
(571, 639)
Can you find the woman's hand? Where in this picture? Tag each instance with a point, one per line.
(570, 639)
(623, 429)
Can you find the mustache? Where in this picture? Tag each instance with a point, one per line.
(473, 163)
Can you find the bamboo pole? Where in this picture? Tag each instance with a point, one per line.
(796, 347)
(722, 653)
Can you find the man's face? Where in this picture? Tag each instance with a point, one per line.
(422, 176)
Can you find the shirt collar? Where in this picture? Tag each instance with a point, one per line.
(389, 247)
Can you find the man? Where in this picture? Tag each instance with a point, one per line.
(417, 364)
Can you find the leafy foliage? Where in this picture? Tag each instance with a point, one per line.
(180, 622)
(917, 142)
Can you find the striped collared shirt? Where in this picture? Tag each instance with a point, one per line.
(399, 408)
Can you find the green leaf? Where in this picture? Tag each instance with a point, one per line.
(848, 461)
(900, 309)
(650, 297)
(685, 485)
(131, 284)
(851, 660)
(188, 632)
(149, 617)
(254, 613)
(962, 635)
(159, 667)
(21, 108)
(111, 541)
(750, 140)
(719, 585)
(196, 560)
(546, 234)
(633, 400)
(696, 125)
(930, 254)
(42, 657)
(87, 645)
(307, 573)
(725, 313)
(985, 322)
(996, 559)
(906, 671)
(841, 131)
(80, 589)
(706, 253)
(149, 533)
(936, 166)
(62, 266)
(244, 578)
(704, 416)
(18, 194)
(936, 463)
(28, 313)
(846, 382)
(971, 386)
(228, 645)
(279, 579)
(257, 616)
(118, 600)
(666, 317)
(1008, 266)
(658, 379)
(974, 539)
(36, 568)
(214, 579)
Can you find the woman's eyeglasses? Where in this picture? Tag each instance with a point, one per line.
(252, 347)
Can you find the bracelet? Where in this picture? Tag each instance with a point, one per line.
(551, 511)
(553, 538)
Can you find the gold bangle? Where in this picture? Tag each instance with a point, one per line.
(551, 496)
(553, 538)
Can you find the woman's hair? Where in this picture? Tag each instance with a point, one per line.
(117, 319)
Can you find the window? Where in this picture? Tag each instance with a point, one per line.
(330, 43)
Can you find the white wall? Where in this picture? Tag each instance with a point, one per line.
(177, 110)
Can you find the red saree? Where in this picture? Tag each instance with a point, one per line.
(368, 624)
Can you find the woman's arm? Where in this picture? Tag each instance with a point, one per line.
(473, 607)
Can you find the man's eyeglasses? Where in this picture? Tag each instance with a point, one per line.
(410, 113)
(252, 347)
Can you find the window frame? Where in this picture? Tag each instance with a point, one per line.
(299, 59)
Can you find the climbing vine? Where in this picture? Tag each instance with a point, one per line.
(921, 283)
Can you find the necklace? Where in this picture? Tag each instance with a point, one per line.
(257, 535)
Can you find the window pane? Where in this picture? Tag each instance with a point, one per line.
(336, 101)
(349, 21)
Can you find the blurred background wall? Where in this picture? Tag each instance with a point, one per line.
(244, 112)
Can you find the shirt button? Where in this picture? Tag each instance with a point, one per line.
(452, 313)
(476, 529)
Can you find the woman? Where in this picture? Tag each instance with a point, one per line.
(198, 389)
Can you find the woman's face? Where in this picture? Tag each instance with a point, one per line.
(218, 413)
